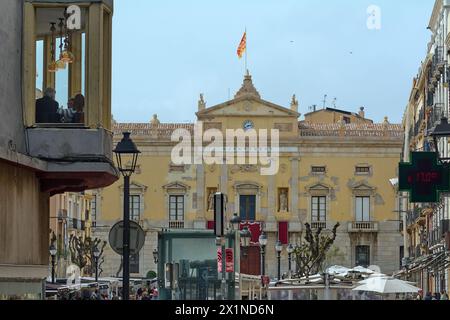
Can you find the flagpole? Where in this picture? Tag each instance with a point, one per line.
(246, 50)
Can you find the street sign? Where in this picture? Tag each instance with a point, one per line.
(137, 238)
(219, 212)
(229, 262)
(424, 178)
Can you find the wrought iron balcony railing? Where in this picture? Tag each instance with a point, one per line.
(176, 224)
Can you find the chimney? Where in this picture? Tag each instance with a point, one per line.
(361, 113)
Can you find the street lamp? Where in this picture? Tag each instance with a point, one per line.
(235, 222)
(440, 133)
(96, 254)
(278, 249)
(263, 243)
(246, 237)
(290, 250)
(126, 148)
(53, 252)
(155, 256)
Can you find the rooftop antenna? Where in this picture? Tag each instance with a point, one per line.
(324, 100)
(313, 108)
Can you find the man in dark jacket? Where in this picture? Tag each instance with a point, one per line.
(47, 108)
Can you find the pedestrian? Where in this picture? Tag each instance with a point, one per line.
(139, 294)
(428, 296)
(155, 294)
(444, 295)
(94, 295)
(78, 105)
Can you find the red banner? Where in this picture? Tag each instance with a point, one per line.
(219, 260)
(229, 260)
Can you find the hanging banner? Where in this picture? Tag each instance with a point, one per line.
(219, 260)
(229, 260)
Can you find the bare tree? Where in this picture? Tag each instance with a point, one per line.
(311, 253)
(82, 253)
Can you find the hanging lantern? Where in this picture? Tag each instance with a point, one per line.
(60, 63)
(52, 67)
(66, 55)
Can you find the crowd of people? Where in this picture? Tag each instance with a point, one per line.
(142, 293)
(436, 296)
(49, 111)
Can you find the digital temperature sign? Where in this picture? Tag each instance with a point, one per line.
(424, 178)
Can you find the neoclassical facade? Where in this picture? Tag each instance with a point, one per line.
(332, 171)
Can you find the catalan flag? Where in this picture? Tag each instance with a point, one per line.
(242, 46)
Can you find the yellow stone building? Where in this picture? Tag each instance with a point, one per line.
(330, 170)
(70, 214)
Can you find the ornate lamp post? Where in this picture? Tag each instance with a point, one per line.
(235, 226)
(245, 238)
(53, 252)
(263, 243)
(440, 135)
(278, 249)
(96, 254)
(126, 148)
(290, 250)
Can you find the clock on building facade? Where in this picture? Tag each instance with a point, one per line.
(248, 125)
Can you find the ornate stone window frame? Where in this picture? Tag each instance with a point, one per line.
(319, 190)
(363, 189)
(136, 189)
(248, 188)
(176, 188)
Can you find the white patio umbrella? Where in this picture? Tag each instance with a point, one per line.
(386, 285)
(363, 270)
(337, 270)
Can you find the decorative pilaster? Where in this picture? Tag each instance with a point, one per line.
(200, 221)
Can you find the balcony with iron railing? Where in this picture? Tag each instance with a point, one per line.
(62, 215)
(437, 112)
(413, 216)
(362, 227)
(176, 224)
(419, 126)
(316, 225)
(76, 224)
(438, 60)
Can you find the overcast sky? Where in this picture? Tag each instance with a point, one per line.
(167, 52)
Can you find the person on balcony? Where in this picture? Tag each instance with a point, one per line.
(78, 105)
(47, 108)
(67, 115)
